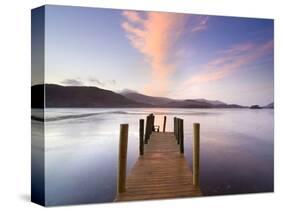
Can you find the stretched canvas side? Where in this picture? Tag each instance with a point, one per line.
(37, 105)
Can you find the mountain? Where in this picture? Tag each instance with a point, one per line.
(176, 103)
(91, 97)
(255, 107)
(188, 103)
(191, 103)
(78, 96)
(271, 105)
(213, 102)
(141, 98)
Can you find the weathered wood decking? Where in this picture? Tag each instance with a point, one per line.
(162, 172)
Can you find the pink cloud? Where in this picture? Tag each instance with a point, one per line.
(238, 49)
(132, 16)
(155, 34)
(230, 60)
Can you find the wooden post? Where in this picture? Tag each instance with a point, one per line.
(152, 124)
(174, 125)
(178, 131)
(196, 153)
(181, 136)
(164, 125)
(146, 129)
(122, 161)
(149, 127)
(141, 136)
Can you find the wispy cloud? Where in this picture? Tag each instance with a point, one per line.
(230, 60)
(132, 16)
(72, 82)
(98, 82)
(201, 24)
(112, 82)
(90, 81)
(126, 91)
(155, 35)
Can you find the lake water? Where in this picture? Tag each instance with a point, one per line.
(81, 150)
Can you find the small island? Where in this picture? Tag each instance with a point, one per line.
(269, 106)
(255, 107)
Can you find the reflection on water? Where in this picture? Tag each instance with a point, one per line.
(81, 150)
(37, 158)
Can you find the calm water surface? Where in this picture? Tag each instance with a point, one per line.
(81, 148)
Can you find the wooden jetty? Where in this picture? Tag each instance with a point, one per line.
(161, 170)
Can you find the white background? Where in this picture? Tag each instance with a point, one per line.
(15, 104)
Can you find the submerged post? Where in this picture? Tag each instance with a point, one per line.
(181, 137)
(196, 153)
(122, 161)
(164, 125)
(141, 136)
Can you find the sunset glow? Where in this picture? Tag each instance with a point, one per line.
(161, 54)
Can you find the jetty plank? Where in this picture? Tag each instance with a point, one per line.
(161, 172)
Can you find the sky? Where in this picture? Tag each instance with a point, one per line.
(174, 55)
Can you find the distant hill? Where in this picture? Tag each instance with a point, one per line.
(79, 96)
(137, 97)
(91, 97)
(177, 103)
(255, 107)
(213, 102)
(271, 105)
(188, 104)
(191, 103)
